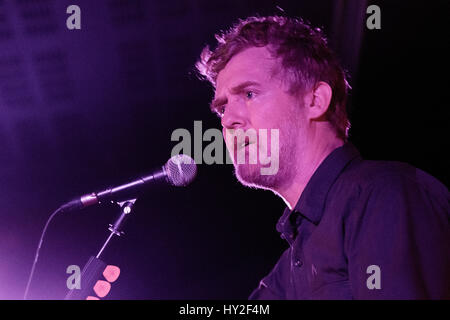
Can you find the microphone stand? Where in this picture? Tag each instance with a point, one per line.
(94, 268)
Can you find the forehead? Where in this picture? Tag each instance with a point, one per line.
(252, 64)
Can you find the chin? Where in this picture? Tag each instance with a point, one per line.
(250, 176)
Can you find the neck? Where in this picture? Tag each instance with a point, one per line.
(307, 163)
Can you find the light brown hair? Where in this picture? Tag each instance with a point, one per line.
(305, 58)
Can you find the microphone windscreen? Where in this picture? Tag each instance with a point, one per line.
(181, 170)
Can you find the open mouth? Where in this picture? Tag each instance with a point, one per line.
(245, 143)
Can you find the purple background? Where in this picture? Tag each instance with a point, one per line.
(84, 109)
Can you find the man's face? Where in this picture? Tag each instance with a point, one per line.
(250, 96)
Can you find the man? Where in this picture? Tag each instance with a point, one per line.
(356, 229)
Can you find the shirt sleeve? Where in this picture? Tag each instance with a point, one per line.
(398, 241)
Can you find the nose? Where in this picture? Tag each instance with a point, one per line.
(235, 116)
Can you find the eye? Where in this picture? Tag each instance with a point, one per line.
(221, 111)
(249, 94)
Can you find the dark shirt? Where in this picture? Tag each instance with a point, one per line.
(364, 230)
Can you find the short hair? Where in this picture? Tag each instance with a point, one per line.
(305, 58)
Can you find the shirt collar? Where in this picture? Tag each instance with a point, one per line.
(312, 201)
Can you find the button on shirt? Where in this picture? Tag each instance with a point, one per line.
(364, 230)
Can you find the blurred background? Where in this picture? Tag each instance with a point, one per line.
(86, 109)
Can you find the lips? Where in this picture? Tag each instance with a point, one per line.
(245, 143)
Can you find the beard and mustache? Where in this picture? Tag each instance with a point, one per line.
(251, 172)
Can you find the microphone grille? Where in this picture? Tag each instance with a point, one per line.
(181, 170)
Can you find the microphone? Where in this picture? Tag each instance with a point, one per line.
(180, 170)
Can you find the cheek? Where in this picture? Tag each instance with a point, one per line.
(274, 131)
(273, 112)
(232, 141)
(224, 135)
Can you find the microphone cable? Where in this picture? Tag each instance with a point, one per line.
(60, 209)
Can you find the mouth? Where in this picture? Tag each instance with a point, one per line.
(244, 144)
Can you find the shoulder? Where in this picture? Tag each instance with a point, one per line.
(388, 191)
(394, 202)
(391, 176)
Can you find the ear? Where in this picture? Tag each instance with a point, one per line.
(318, 100)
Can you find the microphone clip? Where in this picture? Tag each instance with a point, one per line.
(115, 228)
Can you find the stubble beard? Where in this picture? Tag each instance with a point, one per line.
(250, 174)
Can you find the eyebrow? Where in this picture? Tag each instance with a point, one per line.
(237, 89)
